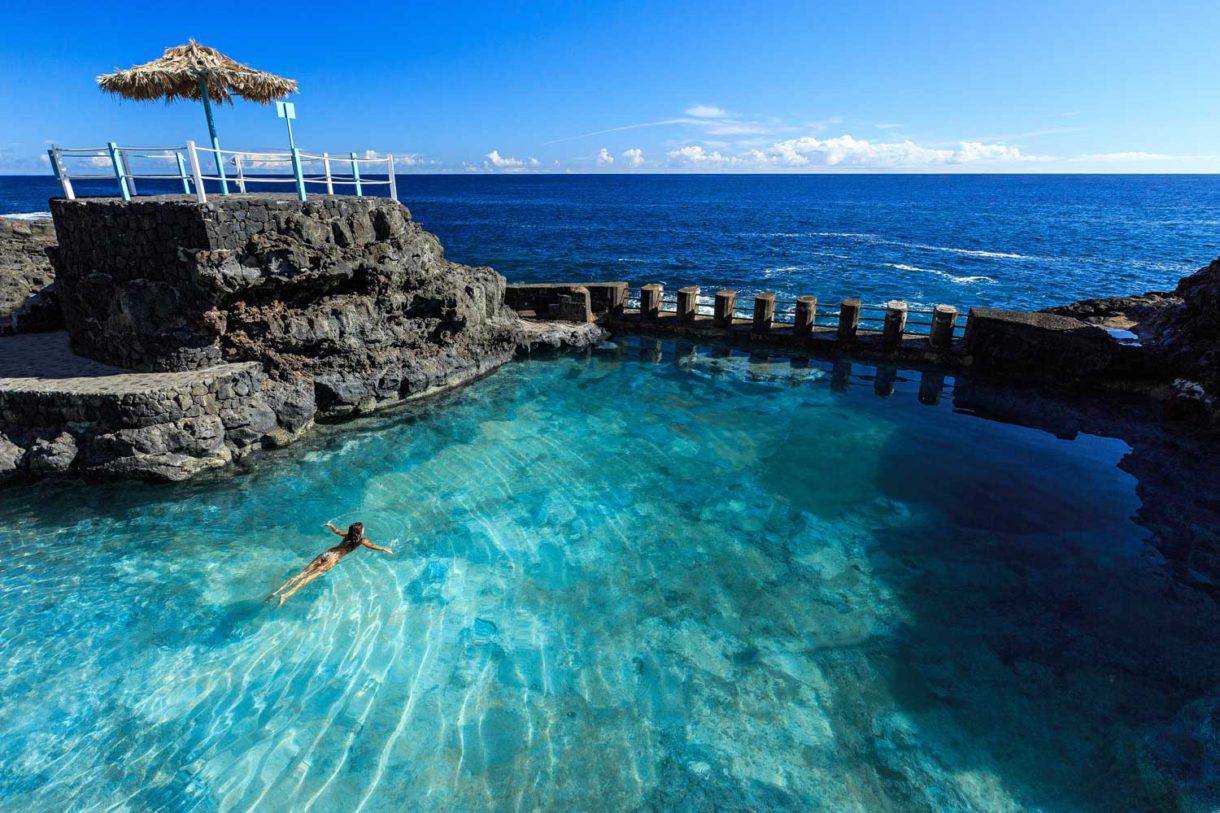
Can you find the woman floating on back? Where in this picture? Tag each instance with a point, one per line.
(352, 539)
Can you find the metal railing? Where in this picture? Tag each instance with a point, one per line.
(183, 164)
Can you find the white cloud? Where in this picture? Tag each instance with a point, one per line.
(706, 111)
(888, 125)
(498, 161)
(604, 158)
(634, 156)
(845, 150)
(696, 155)
(808, 152)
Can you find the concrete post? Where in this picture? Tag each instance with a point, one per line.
(650, 300)
(895, 323)
(688, 302)
(849, 319)
(616, 297)
(806, 313)
(764, 312)
(726, 302)
(944, 317)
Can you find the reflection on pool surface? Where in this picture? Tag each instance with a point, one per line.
(657, 577)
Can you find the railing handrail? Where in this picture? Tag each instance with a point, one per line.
(190, 174)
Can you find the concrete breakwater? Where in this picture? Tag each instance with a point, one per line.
(1018, 346)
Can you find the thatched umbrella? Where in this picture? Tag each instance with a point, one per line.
(196, 72)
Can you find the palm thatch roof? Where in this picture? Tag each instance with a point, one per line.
(177, 74)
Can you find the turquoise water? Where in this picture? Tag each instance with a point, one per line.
(655, 577)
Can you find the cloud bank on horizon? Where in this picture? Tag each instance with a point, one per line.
(711, 139)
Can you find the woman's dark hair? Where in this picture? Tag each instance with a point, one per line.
(354, 532)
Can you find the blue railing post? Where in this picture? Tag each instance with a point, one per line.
(117, 161)
(298, 172)
(356, 173)
(186, 184)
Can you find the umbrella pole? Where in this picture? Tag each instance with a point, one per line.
(207, 109)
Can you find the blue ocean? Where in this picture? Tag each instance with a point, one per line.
(1019, 241)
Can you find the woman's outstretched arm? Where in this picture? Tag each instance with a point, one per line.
(369, 544)
(331, 525)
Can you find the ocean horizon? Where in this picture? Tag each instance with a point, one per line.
(979, 240)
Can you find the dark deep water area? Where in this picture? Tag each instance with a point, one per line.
(1017, 241)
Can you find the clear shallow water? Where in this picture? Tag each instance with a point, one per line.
(1019, 241)
(644, 579)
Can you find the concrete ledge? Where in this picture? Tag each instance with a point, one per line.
(1028, 346)
(79, 416)
(539, 299)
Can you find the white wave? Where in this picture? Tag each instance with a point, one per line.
(882, 241)
(633, 260)
(945, 274)
(28, 216)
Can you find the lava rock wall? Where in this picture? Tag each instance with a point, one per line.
(26, 276)
(164, 427)
(346, 301)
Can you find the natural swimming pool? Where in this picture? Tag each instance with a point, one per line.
(660, 577)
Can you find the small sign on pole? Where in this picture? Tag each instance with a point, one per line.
(287, 111)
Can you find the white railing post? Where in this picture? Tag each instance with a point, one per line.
(193, 154)
(393, 185)
(61, 173)
(117, 162)
(186, 183)
(298, 172)
(330, 184)
(241, 175)
(356, 173)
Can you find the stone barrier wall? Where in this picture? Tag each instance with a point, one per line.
(542, 299)
(1025, 347)
(152, 426)
(144, 284)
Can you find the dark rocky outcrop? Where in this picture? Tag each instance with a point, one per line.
(245, 320)
(345, 301)
(27, 299)
(1179, 333)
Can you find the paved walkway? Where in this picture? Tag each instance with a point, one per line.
(43, 362)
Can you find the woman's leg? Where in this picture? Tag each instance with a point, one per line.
(309, 568)
(317, 571)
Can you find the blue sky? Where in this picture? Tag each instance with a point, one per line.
(626, 86)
